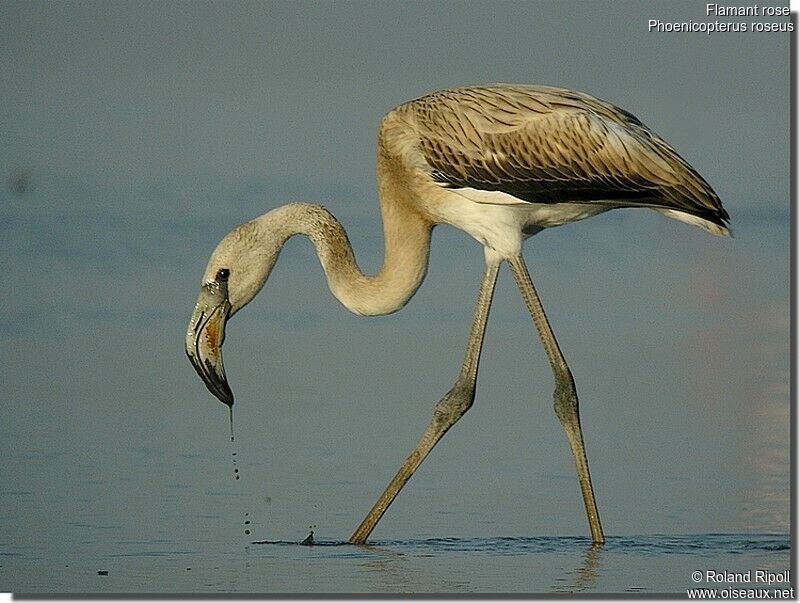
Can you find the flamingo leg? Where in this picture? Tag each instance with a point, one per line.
(565, 398)
(448, 410)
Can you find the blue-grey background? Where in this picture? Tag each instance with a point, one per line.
(135, 135)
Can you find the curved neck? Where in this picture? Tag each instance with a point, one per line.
(405, 261)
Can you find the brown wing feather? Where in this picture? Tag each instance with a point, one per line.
(548, 145)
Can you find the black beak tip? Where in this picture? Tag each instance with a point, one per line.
(218, 385)
(221, 391)
(226, 396)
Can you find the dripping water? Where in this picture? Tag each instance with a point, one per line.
(233, 445)
(236, 471)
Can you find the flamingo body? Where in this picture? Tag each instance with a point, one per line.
(500, 162)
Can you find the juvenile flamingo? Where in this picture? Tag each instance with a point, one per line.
(500, 162)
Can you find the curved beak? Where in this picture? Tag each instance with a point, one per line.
(205, 335)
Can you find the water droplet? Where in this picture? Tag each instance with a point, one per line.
(233, 456)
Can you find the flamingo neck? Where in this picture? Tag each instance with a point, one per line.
(405, 262)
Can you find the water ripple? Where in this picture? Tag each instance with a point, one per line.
(693, 544)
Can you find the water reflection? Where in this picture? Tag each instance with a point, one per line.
(766, 504)
(747, 395)
(387, 573)
(657, 563)
(584, 577)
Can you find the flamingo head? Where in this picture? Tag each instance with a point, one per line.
(236, 272)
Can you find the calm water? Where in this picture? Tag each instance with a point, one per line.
(132, 144)
(638, 564)
(117, 460)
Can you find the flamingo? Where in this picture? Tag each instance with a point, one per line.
(500, 162)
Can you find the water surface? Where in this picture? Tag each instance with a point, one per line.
(635, 564)
(117, 459)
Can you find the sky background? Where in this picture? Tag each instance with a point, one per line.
(135, 135)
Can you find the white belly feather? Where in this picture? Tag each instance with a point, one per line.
(500, 221)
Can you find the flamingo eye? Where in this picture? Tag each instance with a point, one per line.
(223, 274)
